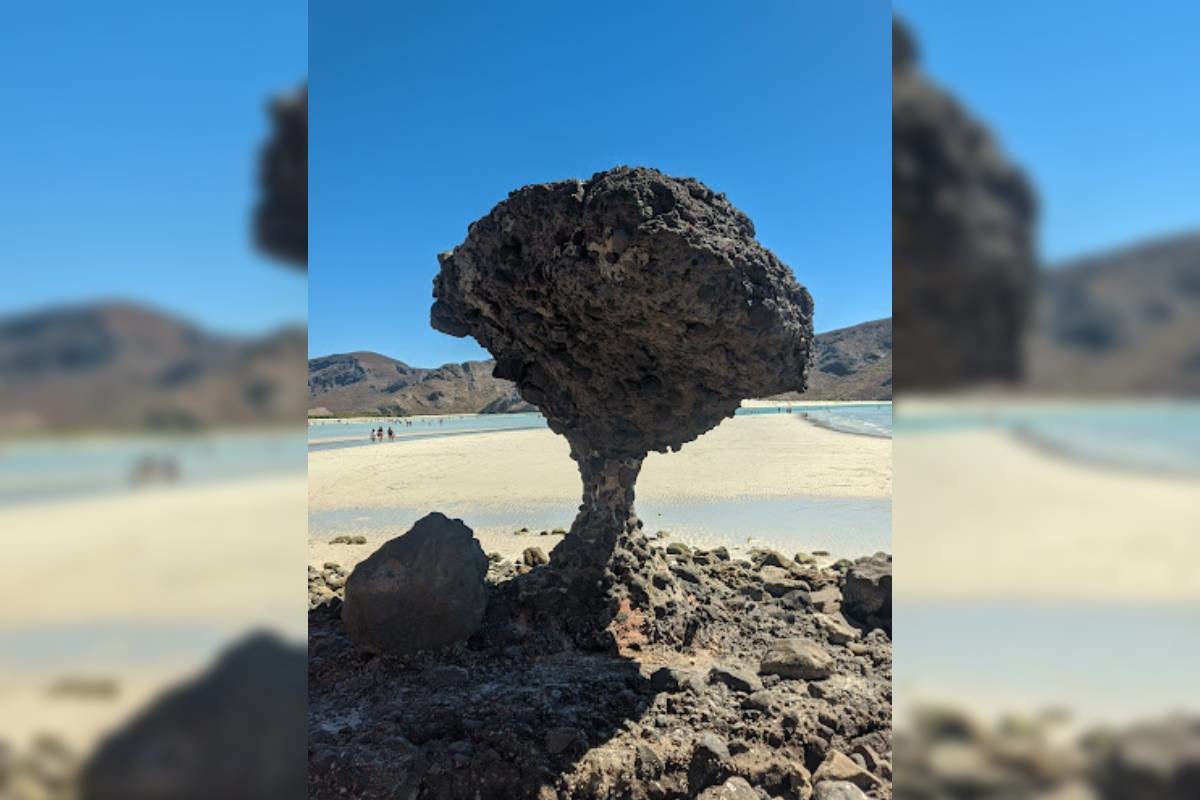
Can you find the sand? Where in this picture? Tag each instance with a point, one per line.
(980, 514)
(141, 588)
(512, 473)
(225, 553)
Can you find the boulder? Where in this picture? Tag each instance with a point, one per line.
(799, 659)
(867, 592)
(420, 591)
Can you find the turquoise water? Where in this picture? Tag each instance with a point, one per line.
(872, 419)
(846, 527)
(1154, 437)
(56, 469)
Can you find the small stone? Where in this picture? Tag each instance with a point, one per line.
(736, 679)
(721, 554)
(559, 740)
(710, 760)
(679, 549)
(759, 701)
(827, 600)
(835, 628)
(838, 766)
(668, 679)
(802, 557)
(797, 659)
(837, 790)
(733, 789)
(773, 558)
(534, 557)
(558, 532)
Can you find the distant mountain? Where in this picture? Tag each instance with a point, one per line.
(370, 383)
(851, 364)
(123, 366)
(1125, 322)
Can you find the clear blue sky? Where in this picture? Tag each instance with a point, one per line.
(1097, 101)
(129, 142)
(425, 115)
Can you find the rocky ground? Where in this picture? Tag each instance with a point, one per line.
(783, 691)
(946, 754)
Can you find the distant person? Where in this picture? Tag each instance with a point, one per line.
(391, 434)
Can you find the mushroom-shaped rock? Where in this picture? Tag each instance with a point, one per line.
(420, 591)
(636, 311)
(962, 239)
(281, 219)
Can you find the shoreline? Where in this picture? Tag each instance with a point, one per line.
(757, 480)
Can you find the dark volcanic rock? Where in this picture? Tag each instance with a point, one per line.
(507, 718)
(797, 658)
(867, 592)
(636, 311)
(237, 731)
(1151, 760)
(420, 591)
(281, 219)
(962, 239)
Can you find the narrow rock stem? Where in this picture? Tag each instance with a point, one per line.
(605, 513)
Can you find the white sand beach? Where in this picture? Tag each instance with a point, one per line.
(746, 459)
(981, 514)
(140, 588)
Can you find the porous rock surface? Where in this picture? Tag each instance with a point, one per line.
(963, 255)
(420, 591)
(636, 311)
(867, 591)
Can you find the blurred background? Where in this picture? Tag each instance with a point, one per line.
(1046, 522)
(153, 239)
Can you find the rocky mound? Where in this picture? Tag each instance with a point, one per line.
(945, 753)
(776, 696)
(962, 239)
